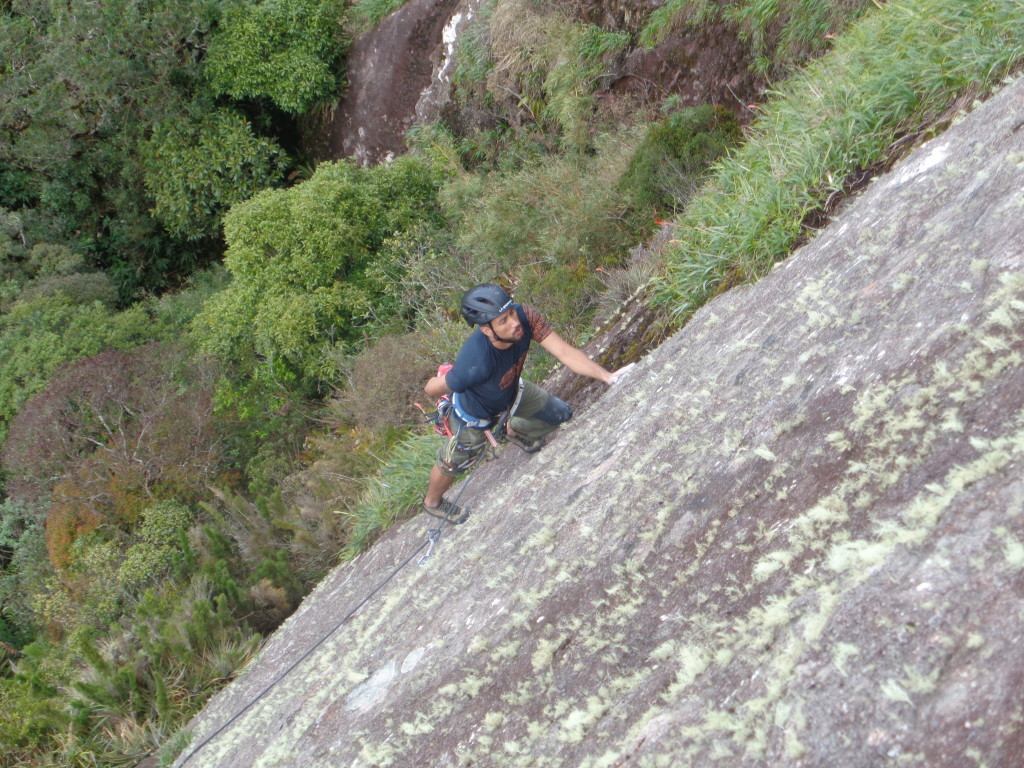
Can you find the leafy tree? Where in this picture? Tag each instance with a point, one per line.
(88, 154)
(299, 260)
(196, 171)
(281, 50)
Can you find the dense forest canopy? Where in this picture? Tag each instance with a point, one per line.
(128, 130)
(209, 341)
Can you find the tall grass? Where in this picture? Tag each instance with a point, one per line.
(895, 71)
(364, 15)
(781, 33)
(393, 493)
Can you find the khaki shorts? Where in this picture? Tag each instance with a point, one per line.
(538, 413)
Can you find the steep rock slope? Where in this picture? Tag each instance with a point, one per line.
(793, 536)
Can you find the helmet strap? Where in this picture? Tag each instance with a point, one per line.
(498, 338)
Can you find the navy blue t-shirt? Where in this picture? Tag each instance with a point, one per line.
(487, 378)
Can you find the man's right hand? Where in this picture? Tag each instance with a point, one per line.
(620, 374)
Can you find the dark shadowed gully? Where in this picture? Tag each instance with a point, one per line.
(793, 536)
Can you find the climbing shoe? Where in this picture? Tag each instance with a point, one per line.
(450, 513)
(530, 446)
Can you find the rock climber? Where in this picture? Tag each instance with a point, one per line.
(487, 391)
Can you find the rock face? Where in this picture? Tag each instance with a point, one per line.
(793, 536)
(390, 70)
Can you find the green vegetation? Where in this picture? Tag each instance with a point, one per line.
(280, 50)
(395, 490)
(668, 166)
(180, 469)
(77, 104)
(366, 14)
(299, 259)
(782, 34)
(195, 172)
(893, 74)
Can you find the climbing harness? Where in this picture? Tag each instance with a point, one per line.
(493, 429)
(442, 408)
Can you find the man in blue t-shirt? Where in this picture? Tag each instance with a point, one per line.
(485, 383)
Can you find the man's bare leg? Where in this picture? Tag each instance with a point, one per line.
(437, 485)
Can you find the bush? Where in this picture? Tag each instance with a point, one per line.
(542, 67)
(366, 14)
(139, 687)
(195, 172)
(675, 154)
(299, 259)
(112, 429)
(422, 274)
(566, 294)
(783, 34)
(387, 379)
(39, 334)
(157, 548)
(78, 289)
(30, 720)
(281, 50)
(50, 259)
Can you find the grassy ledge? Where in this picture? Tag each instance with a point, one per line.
(897, 69)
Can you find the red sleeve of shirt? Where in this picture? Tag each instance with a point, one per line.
(538, 325)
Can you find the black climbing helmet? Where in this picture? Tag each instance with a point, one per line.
(483, 303)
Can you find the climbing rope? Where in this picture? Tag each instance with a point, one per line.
(433, 537)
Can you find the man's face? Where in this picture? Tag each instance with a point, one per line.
(506, 326)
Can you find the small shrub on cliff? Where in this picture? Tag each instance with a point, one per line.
(392, 492)
(366, 14)
(157, 548)
(671, 161)
(387, 378)
(540, 66)
(551, 224)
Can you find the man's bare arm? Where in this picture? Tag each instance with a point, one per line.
(574, 359)
(437, 387)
